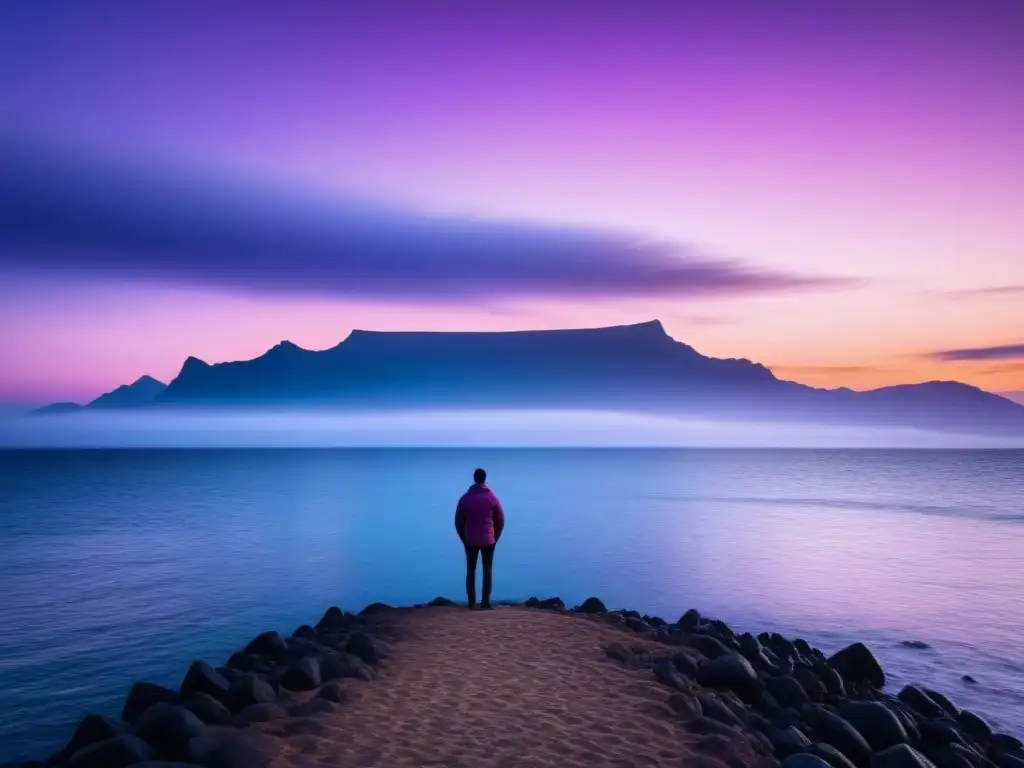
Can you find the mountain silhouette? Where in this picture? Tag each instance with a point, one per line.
(144, 391)
(637, 368)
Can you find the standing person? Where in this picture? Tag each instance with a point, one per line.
(479, 521)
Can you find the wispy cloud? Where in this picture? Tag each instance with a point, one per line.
(61, 213)
(1004, 352)
(991, 291)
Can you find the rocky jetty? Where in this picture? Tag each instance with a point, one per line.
(774, 700)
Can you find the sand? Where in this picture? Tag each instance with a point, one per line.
(508, 687)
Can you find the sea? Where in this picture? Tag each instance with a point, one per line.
(125, 565)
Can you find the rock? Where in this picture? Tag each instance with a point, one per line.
(92, 730)
(655, 621)
(259, 713)
(373, 609)
(831, 755)
(947, 706)
(732, 672)
(710, 647)
(163, 764)
(144, 695)
(857, 664)
(207, 709)
(333, 618)
(831, 679)
(804, 760)
(789, 741)
(714, 708)
(915, 644)
(809, 681)
(968, 679)
(951, 756)
(334, 667)
(690, 620)
(250, 690)
(1002, 742)
(202, 678)
(787, 691)
(621, 654)
(230, 748)
(169, 727)
(305, 632)
(786, 718)
(832, 729)
(303, 675)
(876, 723)
(333, 692)
(440, 602)
(942, 730)
(361, 646)
(666, 674)
(685, 706)
(1006, 760)
(636, 625)
(766, 704)
(902, 756)
(117, 752)
(241, 661)
(684, 665)
(919, 701)
(592, 605)
(269, 644)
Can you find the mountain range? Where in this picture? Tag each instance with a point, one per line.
(628, 368)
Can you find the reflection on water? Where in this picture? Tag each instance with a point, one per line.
(118, 564)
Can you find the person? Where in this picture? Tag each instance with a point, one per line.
(479, 521)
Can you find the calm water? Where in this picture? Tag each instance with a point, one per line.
(120, 565)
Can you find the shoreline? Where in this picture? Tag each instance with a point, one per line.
(757, 700)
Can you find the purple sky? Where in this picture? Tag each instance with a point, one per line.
(833, 189)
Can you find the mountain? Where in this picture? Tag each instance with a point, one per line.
(144, 391)
(632, 367)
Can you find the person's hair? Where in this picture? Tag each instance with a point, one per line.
(479, 476)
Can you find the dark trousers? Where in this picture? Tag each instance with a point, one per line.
(488, 558)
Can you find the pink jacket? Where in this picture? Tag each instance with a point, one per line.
(479, 518)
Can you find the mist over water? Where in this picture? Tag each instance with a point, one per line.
(451, 428)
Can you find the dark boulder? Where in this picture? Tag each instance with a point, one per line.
(334, 667)
(249, 690)
(947, 706)
(92, 730)
(968, 679)
(303, 675)
(117, 752)
(1002, 742)
(876, 723)
(920, 702)
(144, 695)
(440, 602)
(684, 665)
(362, 646)
(169, 727)
(656, 621)
(333, 691)
(787, 691)
(666, 674)
(831, 755)
(690, 620)
(305, 632)
(789, 741)
(804, 760)
(373, 609)
(208, 709)
(711, 647)
(318, 705)
(918, 645)
(716, 709)
(732, 672)
(766, 704)
(685, 706)
(810, 682)
(592, 605)
(831, 679)
(902, 756)
(269, 644)
(202, 678)
(1006, 760)
(621, 654)
(259, 713)
(942, 730)
(952, 756)
(831, 729)
(637, 624)
(857, 664)
(242, 662)
(333, 618)
(974, 726)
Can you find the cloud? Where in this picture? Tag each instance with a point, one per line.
(992, 291)
(1005, 352)
(63, 212)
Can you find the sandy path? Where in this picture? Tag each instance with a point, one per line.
(509, 687)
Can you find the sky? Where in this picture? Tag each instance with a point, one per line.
(831, 189)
